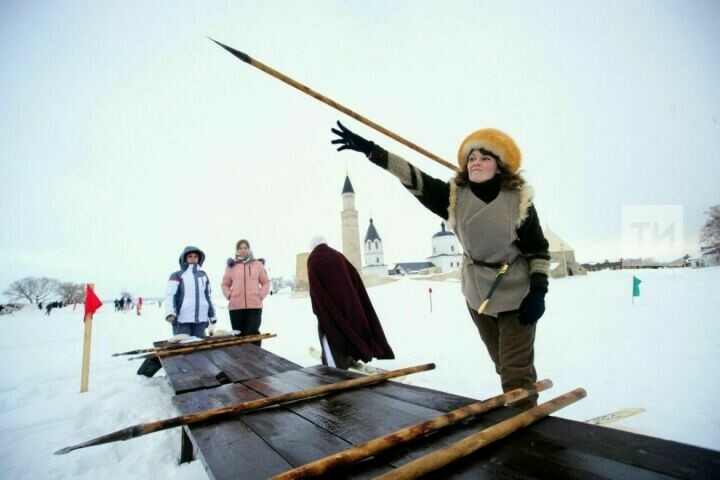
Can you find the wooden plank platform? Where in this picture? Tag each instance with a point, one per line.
(212, 368)
(268, 442)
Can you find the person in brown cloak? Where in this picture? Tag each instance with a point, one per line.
(348, 326)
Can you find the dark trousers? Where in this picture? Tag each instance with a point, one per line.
(247, 321)
(192, 329)
(511, 346)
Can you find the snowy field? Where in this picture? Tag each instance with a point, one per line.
(660, 354)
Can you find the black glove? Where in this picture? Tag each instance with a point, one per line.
(533, 305)
(351, 141)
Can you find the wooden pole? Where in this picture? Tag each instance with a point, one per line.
(380, 444)
(145, 428)
(440, 458)
(87, 340)
(174, 346)
(318, 96)
(190, 348)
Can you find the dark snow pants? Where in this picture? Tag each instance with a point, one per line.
(247, 321)
(511, 348)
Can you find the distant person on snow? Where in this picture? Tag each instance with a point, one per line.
(490, 208)
(245, 284)
(187, 300)
(348, 327)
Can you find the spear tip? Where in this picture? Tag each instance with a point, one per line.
(242, 56)
(63, 451)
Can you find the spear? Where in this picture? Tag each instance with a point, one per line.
(465, 447)
(172, 346)
(190, 348)
(213, 414)
(328, 101)
(378, 445)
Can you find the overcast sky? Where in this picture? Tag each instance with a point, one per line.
(125, 134)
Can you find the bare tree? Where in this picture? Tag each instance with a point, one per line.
(70, 292)
(277, 283)
(289, 282)
(710, 233)
(21, 290)
(32, 289)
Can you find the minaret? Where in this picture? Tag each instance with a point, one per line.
(350, 228)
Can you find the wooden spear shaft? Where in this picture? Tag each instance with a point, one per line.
(173, 346)
(145, 428)
(318, 96)
(87, 341)
(380, 444)
(440, 458)
(189, 348)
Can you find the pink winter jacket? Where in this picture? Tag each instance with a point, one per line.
(245, 285)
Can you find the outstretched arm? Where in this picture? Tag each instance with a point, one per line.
(433, 193)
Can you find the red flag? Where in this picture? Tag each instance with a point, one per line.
(92, 302)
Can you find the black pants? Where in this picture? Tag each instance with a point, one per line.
(247, 321)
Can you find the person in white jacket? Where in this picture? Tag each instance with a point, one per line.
(187, 301)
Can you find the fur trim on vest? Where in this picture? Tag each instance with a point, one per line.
(527, 193)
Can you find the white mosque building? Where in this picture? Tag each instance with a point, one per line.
(446, 250)
(446, 255)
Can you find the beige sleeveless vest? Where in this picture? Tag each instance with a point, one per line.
(487, 232)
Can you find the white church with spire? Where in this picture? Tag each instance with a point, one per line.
(374, 257)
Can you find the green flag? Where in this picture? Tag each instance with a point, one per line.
(636, 286)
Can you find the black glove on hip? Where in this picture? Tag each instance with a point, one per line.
(351, 141)
(533, 305)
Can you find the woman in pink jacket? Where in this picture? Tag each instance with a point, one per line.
(245, 284)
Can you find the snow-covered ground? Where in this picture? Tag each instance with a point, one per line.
(660, 354)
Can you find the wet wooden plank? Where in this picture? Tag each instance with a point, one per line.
(356, 415)
(190, 372)
(212, 368)
(277, 438)
(361, 415)
(434, 399)
(241, 362)
(227, 447)
(563, 444)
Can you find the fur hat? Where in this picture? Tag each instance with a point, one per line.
(495, 141)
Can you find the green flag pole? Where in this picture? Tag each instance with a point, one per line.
(636, 288)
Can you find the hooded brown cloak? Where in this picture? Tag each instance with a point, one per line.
(343, 308)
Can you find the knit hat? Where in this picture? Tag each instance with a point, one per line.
(495, 141)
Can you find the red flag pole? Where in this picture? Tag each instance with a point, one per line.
(92, 303)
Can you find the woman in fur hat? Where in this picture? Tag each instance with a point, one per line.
(489, 206)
